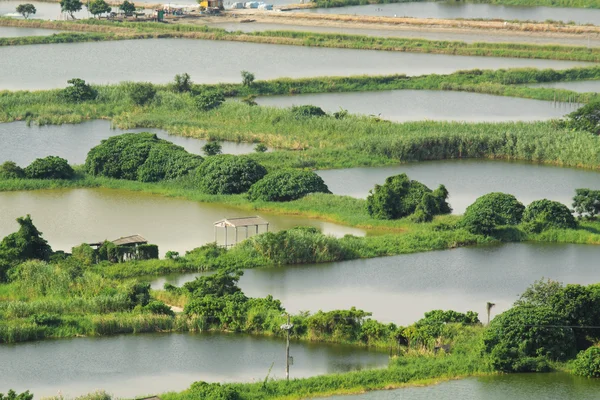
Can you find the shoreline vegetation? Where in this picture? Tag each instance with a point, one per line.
(525, 3)
(96, 30)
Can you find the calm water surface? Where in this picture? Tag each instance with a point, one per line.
(134, 365)
(451, 10)
(70, 217)
(402, 288)
(553, 386)
(158, 60)
(417, 105)
(468, 179)
(431, 34)
(23, 144)
(576, 86)
(9, 31)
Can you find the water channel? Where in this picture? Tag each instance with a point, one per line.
(418, 105)
(453, 10)
(551, 386)
(134, 365)
(401, 289)
(23, 144)
(468, 179)
(158, 60)
(576, 86)
(68, 218)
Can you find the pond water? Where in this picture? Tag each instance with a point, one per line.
(452, 10)
(576, 86)
(23, 144)
(418, 105)
(468, 179)
(9, 31)
(401, 289)
(404, 32)
(551, 386)
(135, 365)
(158, 60)
(68, 218)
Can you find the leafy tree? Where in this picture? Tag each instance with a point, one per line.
(12, 395)
(209, 100)
(26, 10)
(84, 253)
(182, 83)
(79, 91)
(228, 174)
(141, 93)
(223, 282)
(128, 8)
(426, 208)
(260, 148)
(212, 148)
(50, 167)
(586, 118)
(247, 78)
(97, 7)
(399, 197)
(587, 363)
(287, 185)
(491, 211)
(25, 244)
(307, 111)
(138, 293)
(539, 293)
(71, 6)
(10, 170)
(523, 338)
(546, 214)
(140, 156)
(586, 203)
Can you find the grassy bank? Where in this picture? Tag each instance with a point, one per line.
(156, 30)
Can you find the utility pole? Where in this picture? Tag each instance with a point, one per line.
(287, 327)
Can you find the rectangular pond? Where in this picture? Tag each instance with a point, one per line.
(402, 288)
(454, 10)
(158, 60)
(466, 180)
(135, 365)
(23, 144)
(68, 218)
(418, 105)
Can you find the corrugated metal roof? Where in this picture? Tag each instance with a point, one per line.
(240, 222)
(133, 239)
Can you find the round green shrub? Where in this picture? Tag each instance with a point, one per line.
(228, 174)
(547, 214)
(50, 167)
(492, 210)
(141, 93)
(307, 111)
(287, 185)
(10, 170)
(208, 100)
(587, 363)
(140, 156)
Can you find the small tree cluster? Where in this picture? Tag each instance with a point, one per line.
(50, 167)
(546, 214)
(71, 7)
(586, 203)
(78, 91)
(140, 156)
(26, 10)
(586, 118)
(491, 211)
(209, 100)
(10, 170)
(182, 83)
(287, 185)
(228, 174)
(212, 148)
(141, 93)
(400, 197)
(127, 7)
(98, 7)
(587, 363)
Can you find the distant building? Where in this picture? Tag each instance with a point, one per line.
(212, 4)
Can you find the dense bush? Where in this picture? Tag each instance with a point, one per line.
(208, 100)
(182, 83)
(10, 170)
(212, 148)
(586, 118)
(307, 111)
(147, 252)
(491, 211)
(228, 174)
(84, 254)
(587, 363)
(158, 307)
(586, 203)
(50, 167)
(546, 214)
(78, 91)
(287, 185)
(399, 197)
(12, 395)
(140, 156)
(213, 391)
(141, 93)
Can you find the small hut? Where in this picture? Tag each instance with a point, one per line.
(237, 223)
